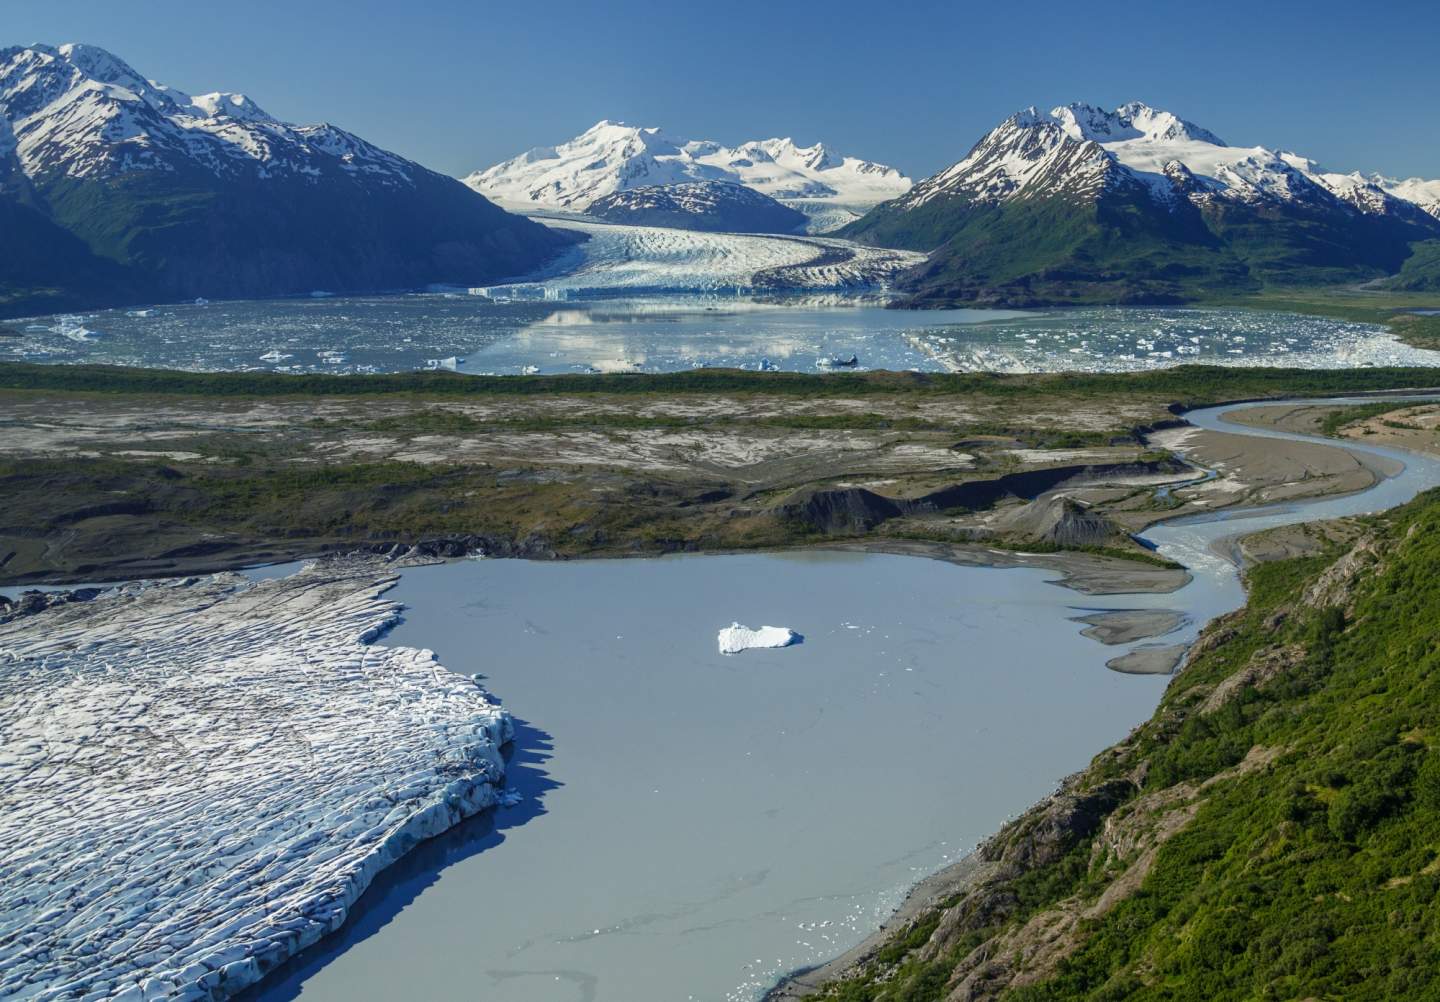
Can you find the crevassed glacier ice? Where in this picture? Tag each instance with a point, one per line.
(736, 638)
(619, 258)
(199, 778)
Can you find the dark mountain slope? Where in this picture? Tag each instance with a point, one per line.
(165, 196)
(712, 206)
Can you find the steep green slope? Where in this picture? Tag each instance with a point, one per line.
(45, 269)
(1033, 251)
(1306, 245)
(1421, 271)
(143, 236)
(1273, 832)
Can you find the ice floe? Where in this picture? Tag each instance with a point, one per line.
(736, 638)
(201, 777)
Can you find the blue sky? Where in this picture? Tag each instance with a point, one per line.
(460, 85)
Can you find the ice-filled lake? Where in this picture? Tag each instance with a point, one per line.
(695, 824)
(667, 333)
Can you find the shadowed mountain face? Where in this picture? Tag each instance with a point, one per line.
(1137, 205)
(115, 189)
(713, 206)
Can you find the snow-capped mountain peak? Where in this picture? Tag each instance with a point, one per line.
(1079, 150)
(1131, 121)
(233, 106)
(81, 111)
(610, 157)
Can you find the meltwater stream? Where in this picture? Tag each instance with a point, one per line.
(693, 826)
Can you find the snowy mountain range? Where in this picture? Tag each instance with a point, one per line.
(1137, 204)
(611, 157)
(80, 111)
(120, 189)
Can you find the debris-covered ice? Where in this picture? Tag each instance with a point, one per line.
(736, 638)
(199, 778)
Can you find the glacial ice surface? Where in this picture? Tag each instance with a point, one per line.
(736, 638)
(617, 258)
(200, 777)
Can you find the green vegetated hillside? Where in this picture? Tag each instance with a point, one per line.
(1420, 272)
(1122, 247)
(1272, 832)
(1033, 251)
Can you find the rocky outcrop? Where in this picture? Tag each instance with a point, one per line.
(1063, 522)
(850, 510)
(31, 602)
(856, 509)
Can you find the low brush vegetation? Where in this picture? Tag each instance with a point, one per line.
(1187, 385)
(1273, 832)
(170, 472)
(1343, 417)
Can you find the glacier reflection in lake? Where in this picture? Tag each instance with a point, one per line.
(694, 825)
(668, 333)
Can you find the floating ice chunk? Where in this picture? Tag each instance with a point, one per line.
(736, 638)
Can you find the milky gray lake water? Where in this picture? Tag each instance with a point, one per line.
(693, 826)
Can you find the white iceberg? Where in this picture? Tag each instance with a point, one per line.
(736, 638)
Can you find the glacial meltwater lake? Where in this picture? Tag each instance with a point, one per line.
(666, 333)
(694, 825)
